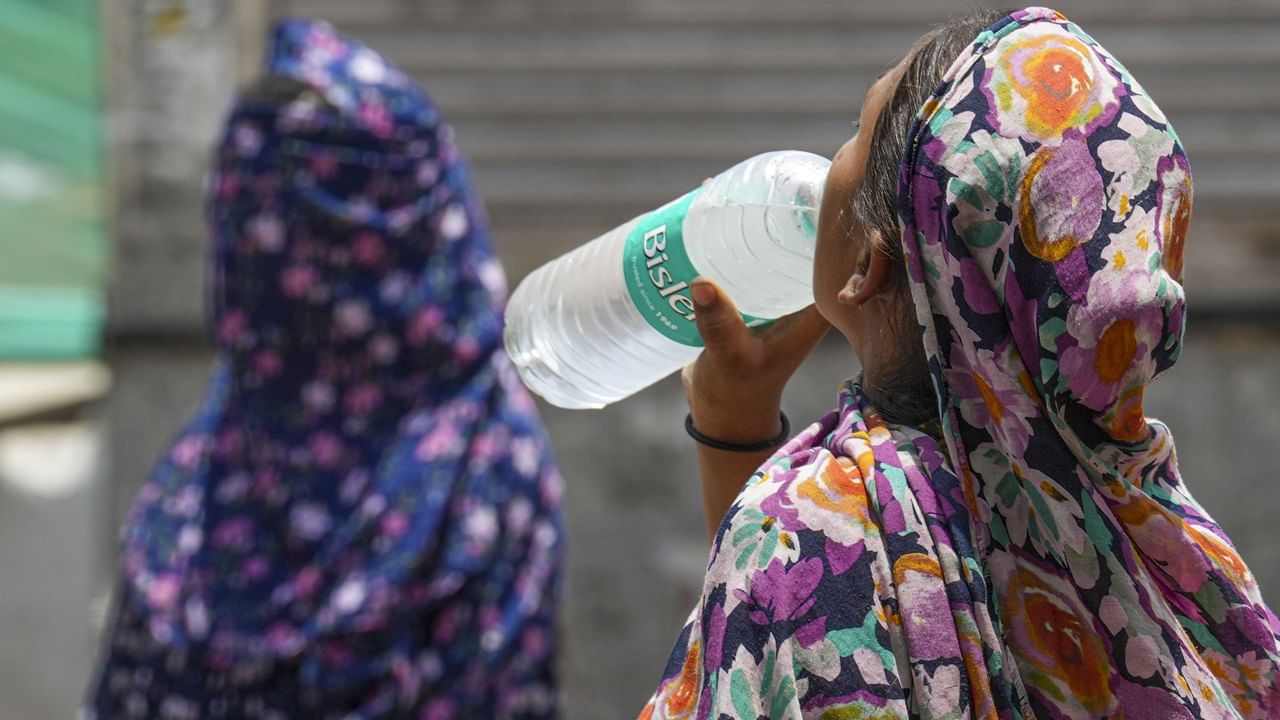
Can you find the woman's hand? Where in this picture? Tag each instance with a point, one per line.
(735, 387)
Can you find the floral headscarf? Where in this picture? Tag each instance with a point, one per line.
(843, 584)
(1054, 565)
(367, 492)
(1046, 201)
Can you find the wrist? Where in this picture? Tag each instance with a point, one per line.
(737, 423)
(753, 447)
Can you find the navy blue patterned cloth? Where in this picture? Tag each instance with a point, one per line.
(363, 519)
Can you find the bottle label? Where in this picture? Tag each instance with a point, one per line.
(658, 273)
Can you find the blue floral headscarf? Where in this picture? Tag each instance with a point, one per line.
(367, 492)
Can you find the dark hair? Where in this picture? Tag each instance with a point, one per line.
(903, 391)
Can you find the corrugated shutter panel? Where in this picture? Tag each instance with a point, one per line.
(579, 114)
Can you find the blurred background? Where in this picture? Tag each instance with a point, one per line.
(577, 114)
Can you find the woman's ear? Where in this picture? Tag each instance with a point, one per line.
(862, 286)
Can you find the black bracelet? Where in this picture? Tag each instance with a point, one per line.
(711, 442)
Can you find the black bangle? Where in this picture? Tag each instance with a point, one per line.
(711, 442)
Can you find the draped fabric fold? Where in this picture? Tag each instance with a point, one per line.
(1046, 201)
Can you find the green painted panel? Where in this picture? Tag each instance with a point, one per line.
(54, 248)
(49, 49)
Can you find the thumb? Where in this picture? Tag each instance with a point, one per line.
(721, 327)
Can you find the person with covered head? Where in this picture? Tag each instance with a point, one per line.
(363, 519)
(988, 525)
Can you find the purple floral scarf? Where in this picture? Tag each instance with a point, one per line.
(1046, 202)
(1048, 562)
(842, 584)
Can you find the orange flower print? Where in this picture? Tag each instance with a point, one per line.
(1128, 421)
(989, 397)
(1116, 350)
(838, 488)
(1109, 352)
(993, 395)
(1173, 211)
(1045, 84)
(1222, 554)
(834, 498)
(1058, 82)
(1164, 539)
(1061, 653)
(683, 691)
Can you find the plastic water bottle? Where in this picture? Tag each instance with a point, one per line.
(616, 315)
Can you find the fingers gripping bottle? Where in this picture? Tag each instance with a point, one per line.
(616, 315)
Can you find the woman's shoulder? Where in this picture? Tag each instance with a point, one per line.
(810, 505)
(797, 594)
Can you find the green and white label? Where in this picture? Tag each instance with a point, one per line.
(658, 273)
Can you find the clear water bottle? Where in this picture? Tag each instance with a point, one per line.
(614, 316)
